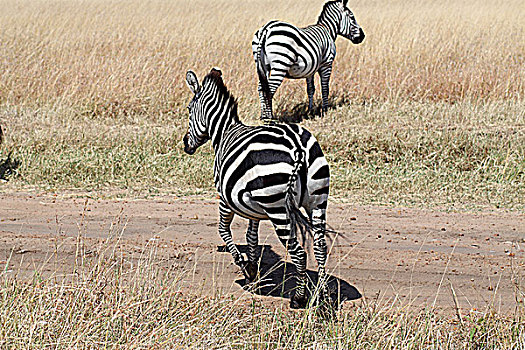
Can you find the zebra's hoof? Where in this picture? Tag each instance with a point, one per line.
(250, 270)
(298, 302)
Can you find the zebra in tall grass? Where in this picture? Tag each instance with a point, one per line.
(262, 173)
(281, 50)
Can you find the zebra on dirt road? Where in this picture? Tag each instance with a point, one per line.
(262, 172)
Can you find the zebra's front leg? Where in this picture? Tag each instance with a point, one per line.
(324, 74)
(310, 90)
(252, 239)
(225, 220)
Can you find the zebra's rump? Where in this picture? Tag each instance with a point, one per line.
(253, 168)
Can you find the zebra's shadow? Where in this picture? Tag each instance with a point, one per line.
(300, 111)
(277, 278)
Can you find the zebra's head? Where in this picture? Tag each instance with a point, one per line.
(208, 101)
(197, 133)
(348, 26)
(342, 17)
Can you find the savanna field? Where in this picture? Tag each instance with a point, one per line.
(428, 112)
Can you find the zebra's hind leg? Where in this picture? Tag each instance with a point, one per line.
(252, 239)
(266, 104)
(225, 220)
(275, 80)
(310, 90)
(318, 219)
(298, 255)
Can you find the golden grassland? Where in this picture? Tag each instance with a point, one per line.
(429, 108)
(132, 55)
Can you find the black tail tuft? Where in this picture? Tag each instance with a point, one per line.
(297, 218)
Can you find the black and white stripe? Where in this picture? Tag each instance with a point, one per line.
(261, 173)
(281, 50)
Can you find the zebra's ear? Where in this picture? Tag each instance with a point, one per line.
(192, 81)
(345, 2)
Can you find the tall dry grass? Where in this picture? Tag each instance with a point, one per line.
(430, 105)
(131, 56)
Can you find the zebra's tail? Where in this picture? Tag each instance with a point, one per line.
(297, 218)
(261, 72)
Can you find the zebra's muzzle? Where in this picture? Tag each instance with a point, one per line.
(358, 39)
(187, 148)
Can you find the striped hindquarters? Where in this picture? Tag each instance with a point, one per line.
(253, 169)
(289, 51)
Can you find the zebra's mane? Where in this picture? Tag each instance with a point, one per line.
(215, 78)
(326, 5)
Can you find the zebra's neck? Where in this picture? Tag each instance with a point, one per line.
(220, 124)
(330, 19)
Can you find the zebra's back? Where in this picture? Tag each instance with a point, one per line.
(299, 52)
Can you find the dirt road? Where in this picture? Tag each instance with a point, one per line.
(409, 256)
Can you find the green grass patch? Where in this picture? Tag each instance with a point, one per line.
(462, 156)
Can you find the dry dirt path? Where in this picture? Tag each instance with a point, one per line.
(409, 255)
